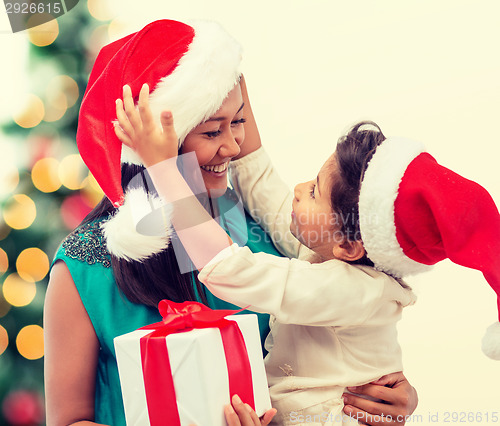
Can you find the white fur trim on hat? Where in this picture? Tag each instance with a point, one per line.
(491, 341)
(120, 231)
(205, 75)
(379, 190)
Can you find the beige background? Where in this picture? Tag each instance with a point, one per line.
(427, 70)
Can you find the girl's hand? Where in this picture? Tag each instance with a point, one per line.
(138, 130)
(252, 137)
(240, 414)
(399, 401)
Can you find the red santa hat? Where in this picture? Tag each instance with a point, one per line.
(414, 213)
(190, 69)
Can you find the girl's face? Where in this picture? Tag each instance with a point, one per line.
(314, 222)
(217, 141)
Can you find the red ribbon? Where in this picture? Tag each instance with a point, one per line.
(180, 318)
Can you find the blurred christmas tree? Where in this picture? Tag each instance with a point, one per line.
(45, 190)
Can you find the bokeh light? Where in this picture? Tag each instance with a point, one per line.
(4, 306)
(118, 28)
(56, 105)
(91, 191)
(66, 85)
(97, 39)
(61, 93)
(9, 177)
(4, 340)
(20, 211)
(29, 342)
(18, 292)
(23, 408)
(30, 113)
(72, 172)
(73, 209)
(42, 34)
(4, 230)
(101, 10)
(32, 264)
(4, 261)
(45, 175)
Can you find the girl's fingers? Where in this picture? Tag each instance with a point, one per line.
(123, 119)
(144, 110)
(128, 102)
(167, 123)
(120, 134)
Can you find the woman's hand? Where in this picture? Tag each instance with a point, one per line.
(138, 130)
(240, 414)
(399, 400)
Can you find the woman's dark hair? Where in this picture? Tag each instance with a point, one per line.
(353, 153)
(155, 278)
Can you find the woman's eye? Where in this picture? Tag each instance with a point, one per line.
(311, 191)
(212, 134)
(237, 122)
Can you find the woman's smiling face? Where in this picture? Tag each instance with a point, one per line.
(217, 140)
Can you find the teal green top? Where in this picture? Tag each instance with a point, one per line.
(112, 314)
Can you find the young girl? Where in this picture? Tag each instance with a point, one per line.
(388, 193)
(340, 307)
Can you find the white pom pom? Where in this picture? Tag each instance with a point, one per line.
(122, 238)
(491, 341)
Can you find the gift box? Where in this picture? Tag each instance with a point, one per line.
(185, 369)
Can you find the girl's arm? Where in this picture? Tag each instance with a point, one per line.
(252, 141)
(71, 353)
(332, 293)
(265, 196)
(201, 236)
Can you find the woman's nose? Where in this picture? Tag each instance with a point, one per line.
(230, 146)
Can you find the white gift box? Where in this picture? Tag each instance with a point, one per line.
(199, 372)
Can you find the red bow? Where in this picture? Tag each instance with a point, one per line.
(180, 318)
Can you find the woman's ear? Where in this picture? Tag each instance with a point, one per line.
(349, 251)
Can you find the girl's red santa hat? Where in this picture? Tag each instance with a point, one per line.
(414, 213)
(190, 69)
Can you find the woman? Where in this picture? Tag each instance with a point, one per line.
(107, 279)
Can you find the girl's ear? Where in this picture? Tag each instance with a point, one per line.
(349, 251)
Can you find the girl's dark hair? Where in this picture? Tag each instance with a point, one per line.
(155, 278)
(353, 153)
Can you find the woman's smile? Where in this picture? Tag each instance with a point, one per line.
(216, 170)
